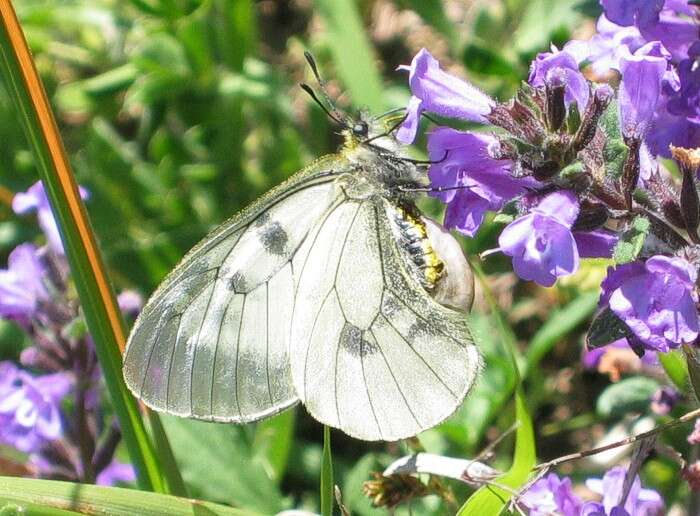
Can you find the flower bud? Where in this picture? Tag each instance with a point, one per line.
(555, 88)
(589, 122)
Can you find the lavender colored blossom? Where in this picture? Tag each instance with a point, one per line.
(642, 74)
(676, 28)
(130, 302)
(464, 159)
(664, 399)
(439, 92)
(639, 502)
(577, 89)
(551, 495)
(605, 48)
(21, 284)
(642, 13)
(541, 243)
(29, 407)
(116, 472)
(655, 299)
(684, 100)
(35, 199)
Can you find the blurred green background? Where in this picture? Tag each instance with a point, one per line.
(177, 113)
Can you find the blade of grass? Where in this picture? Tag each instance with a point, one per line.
(327, 474)
(51, 496)
(490, 499)
(352, 53)
(96, 296)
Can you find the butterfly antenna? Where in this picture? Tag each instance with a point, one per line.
(332, 112)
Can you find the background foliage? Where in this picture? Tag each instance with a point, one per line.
(177, 113)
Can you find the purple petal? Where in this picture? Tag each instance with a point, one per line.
(561, 205)
(632, 12)
(639, 92)
(445, 94)
(409, 128)
(577, 89)
(599, 243)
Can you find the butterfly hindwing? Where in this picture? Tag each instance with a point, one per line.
(212, 342)
(371, 352)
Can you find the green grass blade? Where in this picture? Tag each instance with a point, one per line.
(674, 364)
(96, 295)
(490, 499)
(53, 497)
(327, 474)
(352, 53)
(171, 472)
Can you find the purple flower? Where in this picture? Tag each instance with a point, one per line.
(551, 495)
(655, 299)
(541, 242)
(116, 472)
(685, 99)
(639, 502)
(130, 302)
(694, 436)
(676, 28)
(29, 407)
(664, 399)
(642, 73)
(617, 359)
(633, 12)
(577, 89)
(603, 51)
(463, 159)
(35, 199)
(21, 284)
(439, 92)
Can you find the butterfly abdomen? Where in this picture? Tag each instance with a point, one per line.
(413, 239)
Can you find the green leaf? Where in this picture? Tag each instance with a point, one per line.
(483, 59)
(273, 442)
(218, 463)
(327, 485)
(94, 289)
(559, 324)
(628, 395)
(541, 20)
(352, 53)
(631, 241)
(52, 497)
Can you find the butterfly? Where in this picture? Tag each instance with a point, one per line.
(332, 290)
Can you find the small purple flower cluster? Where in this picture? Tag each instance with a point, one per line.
(573, 165)
(63, 438)
(554, 495)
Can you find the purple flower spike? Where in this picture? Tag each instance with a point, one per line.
(541, 243)
(640, 502)
(29, 407)
(463, 159)
(655, 299)
(439, 92)
(642, 74)
(577, 89)
(642, 13)
(35, 199)
(551, 495)
(21, 285)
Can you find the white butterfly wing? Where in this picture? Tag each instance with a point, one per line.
(371, 352)
(212, 342)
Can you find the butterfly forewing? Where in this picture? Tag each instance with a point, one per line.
(212, 343)
(371, 352)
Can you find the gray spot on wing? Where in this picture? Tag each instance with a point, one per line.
(389, 306)
(237, 283)
(353, 341)
(273, 238)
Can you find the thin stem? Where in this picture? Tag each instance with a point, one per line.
(693, 414)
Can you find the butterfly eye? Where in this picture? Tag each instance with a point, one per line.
(360, 129)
